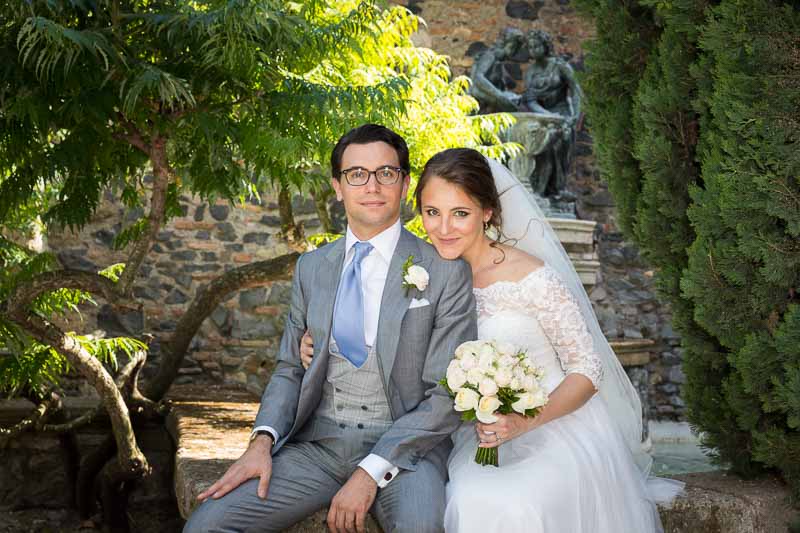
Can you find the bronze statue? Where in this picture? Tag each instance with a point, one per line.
(550, 85)
(547, 112)
(489, 76)
(551, 90)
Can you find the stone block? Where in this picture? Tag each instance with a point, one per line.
(271, 221)
(632, 333)
(252, 298)
(231, 361)
(183, 255)
(176, 297)
(676, 375)
(257, 238)
(248, 327)
(200, 268)
(219, 212)
(220, 317)
(303, 206)
(717, 502)
(225, 232)
(669, 388)
(125, 322)
(281, 293)
(520, 9)
(183, 280)
(202, 245)
(76, 260)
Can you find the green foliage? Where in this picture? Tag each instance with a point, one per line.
(321, 239)
(227, 97)
(744, 266)
(113, 272)
(246, 95)
(240, 91)
(616, 61)
(25, 364)
(705, 173)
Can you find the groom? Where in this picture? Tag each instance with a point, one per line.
(365, 428)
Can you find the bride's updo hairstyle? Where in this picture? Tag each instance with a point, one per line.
(470, 171)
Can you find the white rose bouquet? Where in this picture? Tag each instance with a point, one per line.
(488, 377)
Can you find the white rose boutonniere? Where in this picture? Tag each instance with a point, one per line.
(414, 276)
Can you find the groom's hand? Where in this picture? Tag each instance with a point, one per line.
(350, 505)
(256, 461)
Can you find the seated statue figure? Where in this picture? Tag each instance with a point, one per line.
(488, 75)
(552, 93)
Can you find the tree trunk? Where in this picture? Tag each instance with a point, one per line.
(291, 231)
(321, 198)
(162, 174)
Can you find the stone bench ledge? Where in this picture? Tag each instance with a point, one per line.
(211, 427)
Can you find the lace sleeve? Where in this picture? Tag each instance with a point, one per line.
(563, 323)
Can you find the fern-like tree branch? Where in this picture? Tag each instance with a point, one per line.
(26, 292)
(18, 310)
(35, 420)
(131, 460)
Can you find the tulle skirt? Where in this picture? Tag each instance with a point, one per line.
(572, 475)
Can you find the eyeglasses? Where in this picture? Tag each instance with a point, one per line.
(387, 175)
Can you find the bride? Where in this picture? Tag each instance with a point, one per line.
(579, 465)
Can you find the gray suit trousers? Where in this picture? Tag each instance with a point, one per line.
(305, 478)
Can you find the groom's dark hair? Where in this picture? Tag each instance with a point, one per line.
(369, 133)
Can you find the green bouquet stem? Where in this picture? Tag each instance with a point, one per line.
(486, 457)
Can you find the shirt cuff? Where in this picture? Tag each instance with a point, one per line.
(269, 429)
(379, 469)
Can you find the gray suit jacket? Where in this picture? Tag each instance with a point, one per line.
(414, 347)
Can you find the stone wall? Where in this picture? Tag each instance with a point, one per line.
(38, 473)
(239, 341)
(624, 297)
(461, 29)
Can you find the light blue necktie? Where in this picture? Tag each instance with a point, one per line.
(348, 314)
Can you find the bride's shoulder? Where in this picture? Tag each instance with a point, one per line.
(519, 264)
(516, 268)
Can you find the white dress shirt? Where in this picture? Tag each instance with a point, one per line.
(374, 269)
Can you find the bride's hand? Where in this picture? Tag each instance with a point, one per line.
(506, 428)
(306, 350)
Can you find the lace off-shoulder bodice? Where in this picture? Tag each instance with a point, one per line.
(540, 313)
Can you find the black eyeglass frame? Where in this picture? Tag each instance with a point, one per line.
(401, 173)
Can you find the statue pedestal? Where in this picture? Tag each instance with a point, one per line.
(577, 237)
(634, 352)
(534, 132)
(635, 355)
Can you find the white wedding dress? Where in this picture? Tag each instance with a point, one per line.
(574, 474)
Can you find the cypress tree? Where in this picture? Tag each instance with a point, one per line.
(616, 61)
(705, 174)
(744, 266)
